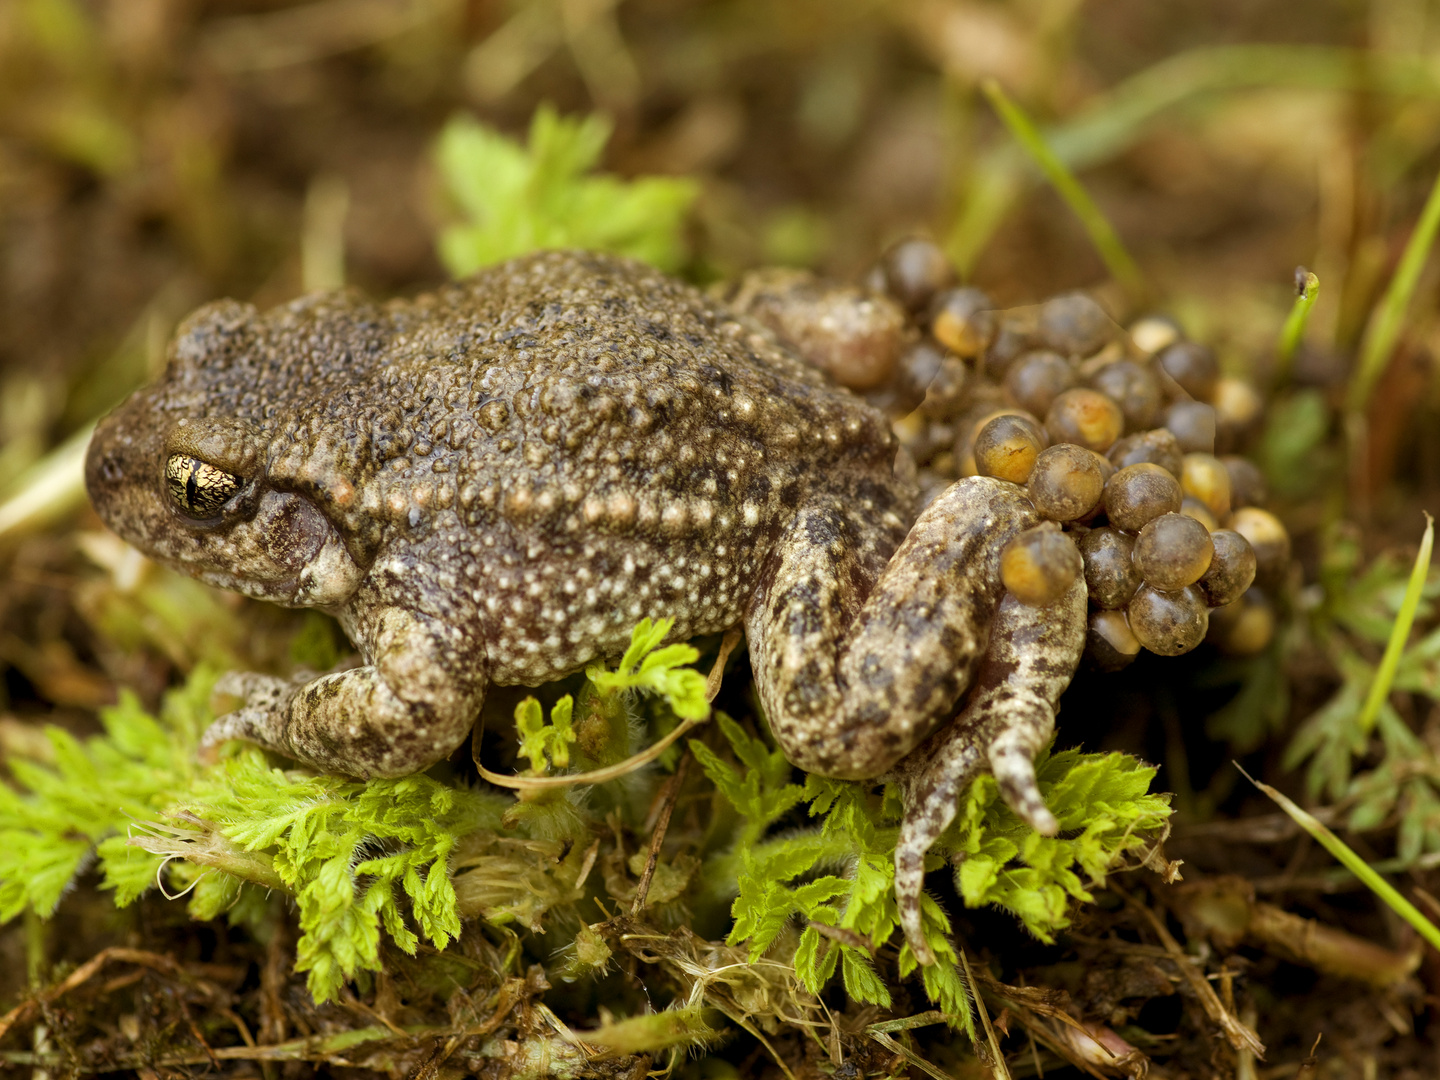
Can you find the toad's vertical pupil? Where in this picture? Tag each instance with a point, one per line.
(197, 487)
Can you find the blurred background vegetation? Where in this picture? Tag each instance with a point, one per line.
(156, 153)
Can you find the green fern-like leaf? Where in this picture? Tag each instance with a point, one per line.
(1101, 800)
(320, 832)
(656, 670)
(542, 742)
(89, 793)
(517, 199)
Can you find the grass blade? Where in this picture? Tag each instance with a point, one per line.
(1116, 118)
(1102, 234)
(1400, 632)
(1354, 863)
(1390, 315)
(1307, 289)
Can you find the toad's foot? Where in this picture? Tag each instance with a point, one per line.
(1009, 718)
(401, 713)
(258, 696)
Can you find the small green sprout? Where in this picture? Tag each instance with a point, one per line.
(540, 741)
(646, 666)
(518, 199)
(1307, 291)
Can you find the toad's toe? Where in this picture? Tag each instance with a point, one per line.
(1008, 719)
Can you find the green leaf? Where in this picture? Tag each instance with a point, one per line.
(91, 793)
(1404, 618)
(647, 667)
(1307, 291)
(518, 199)
(861, 982)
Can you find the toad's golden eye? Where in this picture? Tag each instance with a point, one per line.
(197, 487)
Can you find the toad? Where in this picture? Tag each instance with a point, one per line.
(494, 482)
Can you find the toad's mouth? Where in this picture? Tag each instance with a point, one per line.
(327, 579)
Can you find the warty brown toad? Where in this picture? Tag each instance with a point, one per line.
(494, 482)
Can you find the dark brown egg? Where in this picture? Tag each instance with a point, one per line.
(1247, 482)
(1036, 379)
(1110, 575)
(1134, 388)
(1137, 494)
(1157, 446)
(1067, 482)
(1232, 570)
(1193, 425)
(1074, 324)
(1168, 623)
(914, 270)
(1173, 551)
(1193, 367)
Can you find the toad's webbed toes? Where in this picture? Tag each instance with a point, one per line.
(1008, 719)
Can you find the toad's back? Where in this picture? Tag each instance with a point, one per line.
(608, 445)
(547, 452)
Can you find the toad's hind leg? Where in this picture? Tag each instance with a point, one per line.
(1010, 717)
(856, 664)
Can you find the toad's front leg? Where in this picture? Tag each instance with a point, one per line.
(408, 706)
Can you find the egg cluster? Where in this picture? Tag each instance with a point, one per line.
(1126, 441)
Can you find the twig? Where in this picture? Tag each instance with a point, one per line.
(1239, 1035)
(196, 1033)
(620, 768)
(594, 776)
(85, 972)
(717, 670)
(997, 1065)
(912, 1058)
(657, 837)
